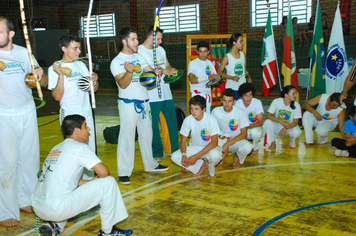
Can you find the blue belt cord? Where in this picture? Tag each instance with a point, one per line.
(138, 105)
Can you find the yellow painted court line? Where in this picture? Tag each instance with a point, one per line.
(48, 137)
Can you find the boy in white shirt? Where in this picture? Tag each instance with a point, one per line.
(254, 110)
(203, 151)
(233, 125)
(200, 71)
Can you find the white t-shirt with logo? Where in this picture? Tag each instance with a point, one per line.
(200, 131)
(230, 123)
(135, 90)
(61, 172)
(161, 61)
(252, 110)
(283, 112)
(199, 69)
(235, 67)
(15, 96)
(328, 115)
(73, 98)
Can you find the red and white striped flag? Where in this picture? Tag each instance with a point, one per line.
(268, 59)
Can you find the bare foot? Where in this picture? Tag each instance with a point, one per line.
(202, 168)
(289, 146)
(272, 146)
(9, 223)
(254, 152)
(210, 177)
(27, 209)
(220, 163)
(235, 164)
(308, 144)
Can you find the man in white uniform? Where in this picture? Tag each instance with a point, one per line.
(200, 71)
(165, 104)
(65, 89)
(203, 151)
(324, 118)
(60, 193)
(134, 108)
(233, 125)
(254, 111)
(19, 143)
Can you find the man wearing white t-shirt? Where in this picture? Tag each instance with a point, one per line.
(203, 151)
(254, 111)
(61, 193)
(19, 142)
(200, 71)
(324, 118)
(163, 104)
(233, 125)
(134, 108)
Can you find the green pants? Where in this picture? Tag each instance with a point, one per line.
(169, 112)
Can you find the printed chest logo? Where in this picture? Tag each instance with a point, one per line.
(239, 69)
(74, 76)
(327, 116)
(284, 115)
(14, 68)
(233, 125)
(208, 70)
(205, 135)
(252, 117)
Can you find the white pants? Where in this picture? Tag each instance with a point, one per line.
(63, 112)
(103, 191)
(19, 162)
(255, 134)
(272, 128)
(242, 148)
(208, 98)
(129, 120)
(323, 128)
(214, 156)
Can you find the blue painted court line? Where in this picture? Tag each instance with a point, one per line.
(272, 221)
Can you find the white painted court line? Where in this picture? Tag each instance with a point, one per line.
(126, 196)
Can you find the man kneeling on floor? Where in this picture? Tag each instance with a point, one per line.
(203, 151)
(60, 193)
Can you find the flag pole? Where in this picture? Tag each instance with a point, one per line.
(279, 76)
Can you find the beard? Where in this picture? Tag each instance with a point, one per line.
(6, 43)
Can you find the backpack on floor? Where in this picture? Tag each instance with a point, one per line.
(111, 134)
(180, 117)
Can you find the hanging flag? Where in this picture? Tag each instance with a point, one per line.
(336, 68)
(268, 59)
(316, 52)
(289, 64)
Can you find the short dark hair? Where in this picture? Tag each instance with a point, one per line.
(71, 122)
(245, 88)
(125, 32)
(335, 97)
(150, 31)
(352, 111)
(65, 40)
(203, 44)
(228, 93)
(198, 100)
(9, 24)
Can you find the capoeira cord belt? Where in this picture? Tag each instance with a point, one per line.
(138, 104)
(227, 149)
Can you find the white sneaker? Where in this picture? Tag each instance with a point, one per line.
(341, 153)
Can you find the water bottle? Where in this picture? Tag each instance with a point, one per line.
(350, 63)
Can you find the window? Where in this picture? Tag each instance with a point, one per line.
(179, 18)
(101, 25)
(302, 9)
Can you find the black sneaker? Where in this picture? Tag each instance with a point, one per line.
(116, 232)
(159, 168)
(49, 228)
(124, 179)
